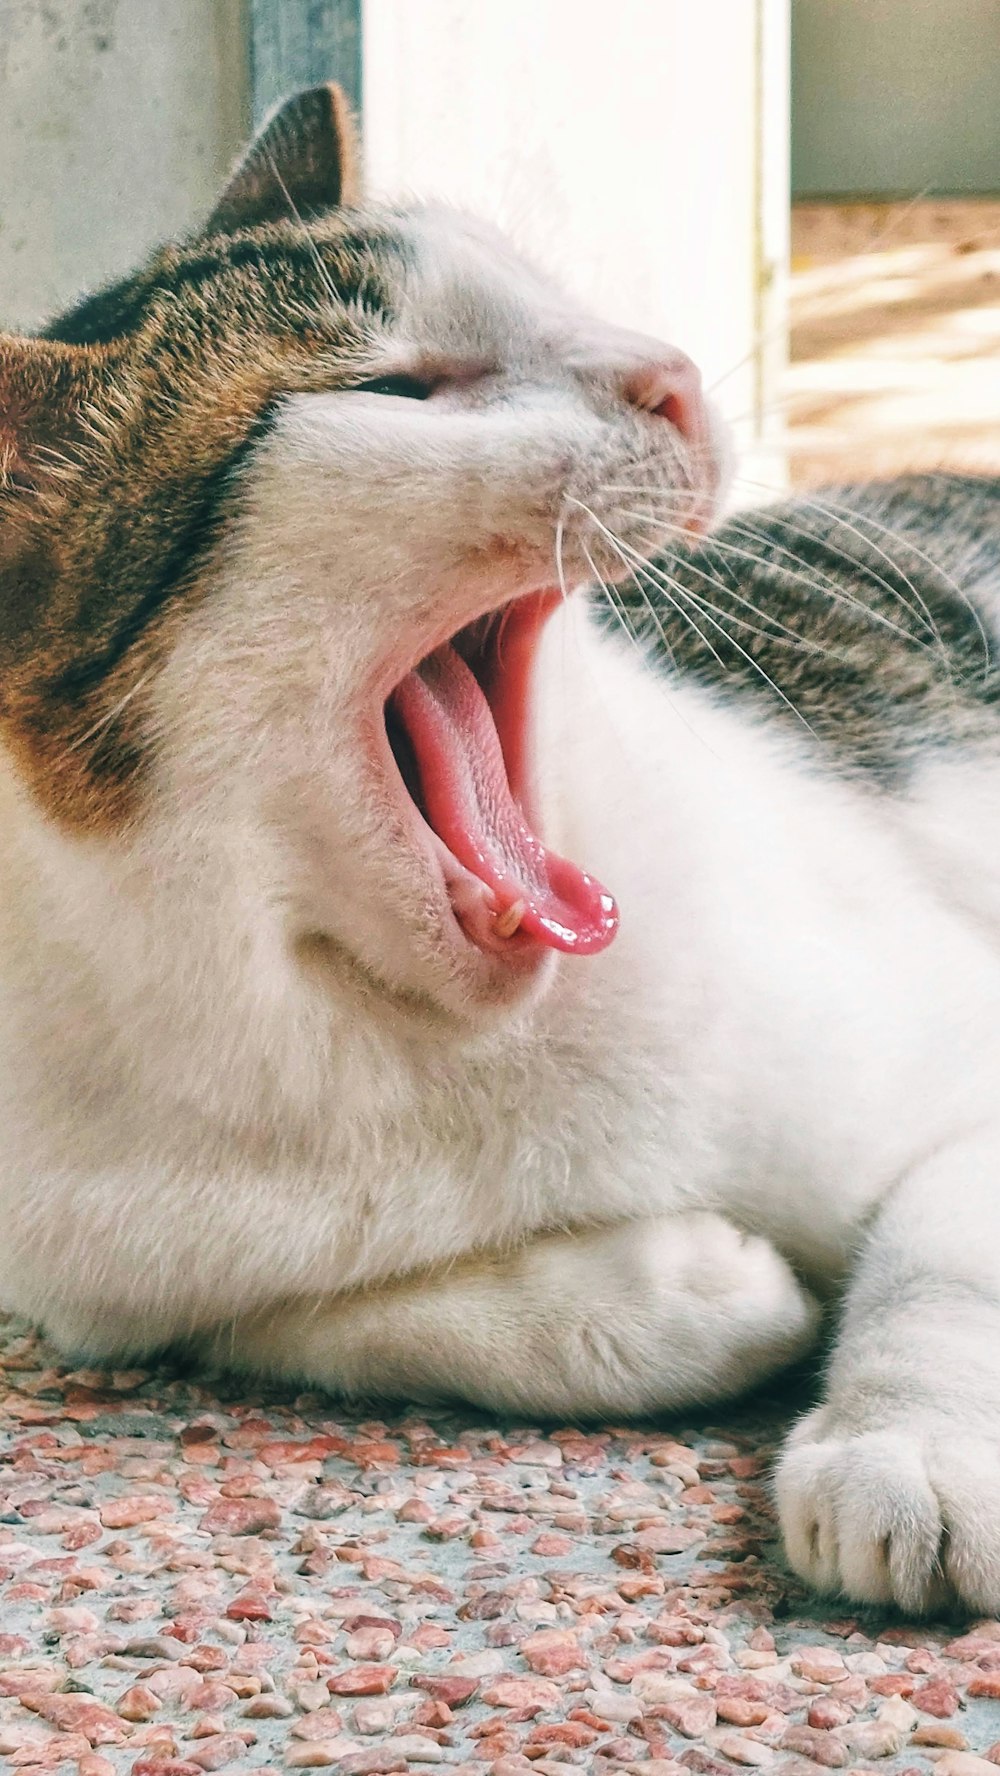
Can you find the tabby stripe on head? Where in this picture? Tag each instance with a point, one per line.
(215, 498)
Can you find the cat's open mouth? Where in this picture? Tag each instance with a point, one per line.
(459, 725)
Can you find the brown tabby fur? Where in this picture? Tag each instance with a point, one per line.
(121, 432)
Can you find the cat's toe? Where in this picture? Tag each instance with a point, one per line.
(894, 1516)
(859, 1516)
(966, 1478)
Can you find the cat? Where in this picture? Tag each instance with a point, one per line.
(421, 975)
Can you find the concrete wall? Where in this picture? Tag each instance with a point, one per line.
(895, 96)
(118, 121)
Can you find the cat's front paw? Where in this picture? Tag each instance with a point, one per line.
(909, 1516)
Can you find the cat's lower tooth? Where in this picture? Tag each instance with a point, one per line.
(507, 922)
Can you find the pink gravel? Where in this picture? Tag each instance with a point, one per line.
(197, 1580)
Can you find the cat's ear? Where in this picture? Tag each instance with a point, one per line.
(44, 387)
(304, 160)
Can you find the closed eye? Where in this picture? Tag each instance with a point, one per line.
(411, 388)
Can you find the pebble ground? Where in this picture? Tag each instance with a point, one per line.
(200, 1580)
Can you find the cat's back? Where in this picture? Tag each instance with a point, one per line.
(863, 619)
(861, 626)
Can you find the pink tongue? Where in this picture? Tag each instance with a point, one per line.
(467, 797)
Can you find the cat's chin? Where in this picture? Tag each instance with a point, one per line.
(433, 973)
(470, 984)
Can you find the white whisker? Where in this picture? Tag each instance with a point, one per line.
(839, 512)
(109, 716)
(704, 608)
(778, 632)
(619, 546)
(825, 584)
(325, 277)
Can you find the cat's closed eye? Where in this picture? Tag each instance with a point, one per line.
(411, 388)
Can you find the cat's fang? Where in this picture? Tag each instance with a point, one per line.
(506, 923)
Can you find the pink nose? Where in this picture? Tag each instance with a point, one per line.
(669, 387)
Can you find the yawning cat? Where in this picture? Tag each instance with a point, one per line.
(421, 977)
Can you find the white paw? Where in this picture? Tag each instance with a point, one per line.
(748, 1311)
(708, 1310)
(653, 1315)
(904, 1516)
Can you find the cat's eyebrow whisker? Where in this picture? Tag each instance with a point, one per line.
(768, 335)
(108, 717)
(325, 277)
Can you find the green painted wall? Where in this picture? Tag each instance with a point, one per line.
(895, 96)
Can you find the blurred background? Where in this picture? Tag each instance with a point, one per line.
(805, 194)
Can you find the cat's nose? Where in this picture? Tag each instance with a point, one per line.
(669, 387)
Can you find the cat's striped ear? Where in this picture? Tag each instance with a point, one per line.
(303, 161)
(44, 389)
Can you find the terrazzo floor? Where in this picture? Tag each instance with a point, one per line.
(198, 1578)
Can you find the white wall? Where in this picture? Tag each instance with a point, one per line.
(639, 150)
(118, 122)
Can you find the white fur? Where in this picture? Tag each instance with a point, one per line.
(256, 1096)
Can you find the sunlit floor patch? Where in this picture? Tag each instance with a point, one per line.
(895, 344)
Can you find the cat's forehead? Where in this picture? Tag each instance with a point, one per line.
(466, 290)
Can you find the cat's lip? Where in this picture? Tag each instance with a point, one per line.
(458, 735)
